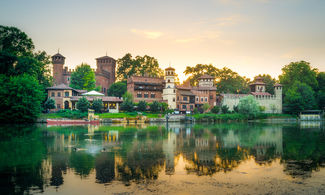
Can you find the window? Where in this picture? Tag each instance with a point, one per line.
(59, 94)
(185, 98)
(206, 99)
(112, 105)
(58, 106)
(174, 90)
(184, 107)
(168, 80)
(104, 90)
(173, 99)
(66, 94)
(68, 78)
(191, 107)
(153, 95)
(139, 95)
(146, 95)
(211, 97)
(201, 99)
(177, 98)
(53, 94)
(197, 99)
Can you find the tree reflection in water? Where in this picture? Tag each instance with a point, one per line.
(34, 157)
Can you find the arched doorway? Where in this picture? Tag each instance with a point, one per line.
(66, 105)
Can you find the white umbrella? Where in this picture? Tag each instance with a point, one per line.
(93, 93)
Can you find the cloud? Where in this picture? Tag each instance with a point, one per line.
(207, 35)
(147, 34)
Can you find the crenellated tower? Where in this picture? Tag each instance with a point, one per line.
(58, 63)
(105, 73)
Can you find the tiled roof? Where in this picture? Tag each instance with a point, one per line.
(58, 55)
(104, 57)
(206, 76)
(261, 93)
(170, 68)
(186, 92)
(204, 88)
(60, 87)
(103, 98)
(277, 85)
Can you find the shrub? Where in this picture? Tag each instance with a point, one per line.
(155, 107)
(83, 104)
(142, 106)
(97, 105)
(205, 107)
(249, 106)
(215, 109)
(49, 104)
(224, 109)
(73, 114)
(235, 108)
(127, 104)
(196, 111)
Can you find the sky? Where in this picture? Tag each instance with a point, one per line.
(250, 37)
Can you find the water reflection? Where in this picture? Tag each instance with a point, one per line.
(35, 157)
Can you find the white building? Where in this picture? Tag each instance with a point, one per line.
(169, 92)
(270, 103)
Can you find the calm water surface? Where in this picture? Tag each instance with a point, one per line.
(158, 159)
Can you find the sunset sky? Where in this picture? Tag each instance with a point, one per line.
(248, 36)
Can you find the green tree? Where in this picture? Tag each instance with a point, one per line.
(299, 97)
(127, 104)
(231, 82)
(128, 66)
(298, 71)
(155, 107)
(49, 104)
(321, 90)
(205, 107)
(269, 82)
(199, 70)
(248, 106)
(83, 78)
(142, 106)
(21, 97)
(83, 104)
(224, 109)
(97, 105)
(117, 89)
(215, 109)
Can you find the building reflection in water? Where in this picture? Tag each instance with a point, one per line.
(135, 154)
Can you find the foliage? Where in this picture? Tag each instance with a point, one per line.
(73, 114)
(128, 66)
(142, 106)
(127, 104)
(298, 71)
(155, 107)
(235, 108)
(117, 89)
(224, 109)
(219, 117)
(262, 108)
(248, 106)
(269, 82)
(49, 104)
(83, 78)
(196, 111)
(199, 70)
(21, 97)
(321, 99)
(83, 104)
(299, 97)
(205, 107)
(231, 82)
(215, 109)
(164, 106)
(128, 115)
(97, 105)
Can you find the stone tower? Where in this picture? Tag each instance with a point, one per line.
(58, 63)
(258, 85)
(169, 92)
(105, 72)
(278, 96)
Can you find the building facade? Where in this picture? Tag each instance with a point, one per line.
(104, 74)
(270, 103)
(169, 92)
(145, 88)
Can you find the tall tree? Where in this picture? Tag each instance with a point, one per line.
(117, 89)
(321, 90)
(231, 82)
(269, 82)
(298, 71)
(146, 65)
(199, 70)
(298, 97)
(83, 78)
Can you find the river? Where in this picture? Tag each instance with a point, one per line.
(230, 158)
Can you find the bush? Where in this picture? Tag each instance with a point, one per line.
(83, 104)
(127, 104)
(97, 105)
(235, 108)
(224, 109)
(164, 106)
(215, 109)
(155, 107)
(142, 106)
(205, 107)
(249, 106)
(73, 114)
(196, 111)
(49, 104)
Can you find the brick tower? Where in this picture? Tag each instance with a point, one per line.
(105, 73)
(58, 63)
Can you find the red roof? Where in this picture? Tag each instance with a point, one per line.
(170, 68)
(206, 76)
(277, 85)
(103, 98)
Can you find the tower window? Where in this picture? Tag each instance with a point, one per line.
(59, 94)
(53, 94)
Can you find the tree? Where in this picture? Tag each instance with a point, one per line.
(298, 71)
(83, 78)
(235, 107)
(299, 97)
(269, 82)
(321, 90)
(199, 70)
(248, 106)
(83, 104)
(215, 109)
(49, 104)
(155, 107)
(224, 109)
(128, 66)
(127, 104)
(117, 89)
(231, 82)
(97, 105)
(21, 97)
(206, 106)
(142, 106)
